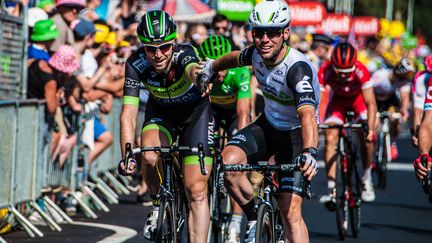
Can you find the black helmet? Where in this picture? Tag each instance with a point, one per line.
(156, 26)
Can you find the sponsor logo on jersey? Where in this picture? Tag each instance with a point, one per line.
(277, 81)
(239, 137)
(279, 73)
(429, 93)
(131, 83)
(176, 56)
(210, 134)
(244, 88)
(186, 60)
(304, 86)
(306, 99)
(153, 83)
(141, 63)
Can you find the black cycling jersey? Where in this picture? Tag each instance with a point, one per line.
(171, 88)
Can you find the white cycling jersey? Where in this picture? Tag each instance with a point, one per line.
(420, 85)
(384, 88)
(286, 87)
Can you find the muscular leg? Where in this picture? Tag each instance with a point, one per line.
(152, 137)
(237, 183)
(197, 194)
(367, 150)
(331, 140)
(290, 211)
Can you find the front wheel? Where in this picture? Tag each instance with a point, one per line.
(342, 207)
(265, 232)
(166, 230)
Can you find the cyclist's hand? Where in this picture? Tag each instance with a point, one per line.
(206, 69)
(307, 164)
(420, 170)
(371, 137)
(131, 167)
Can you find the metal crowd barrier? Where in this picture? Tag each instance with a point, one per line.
(27, 167)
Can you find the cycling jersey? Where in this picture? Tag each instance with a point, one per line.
(170, 88)
(236, 85)
(384, 88)
(350, 87)
(428, 100)
(286, 87)
(419, 89)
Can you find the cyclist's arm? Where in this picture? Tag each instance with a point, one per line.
(189, 59)
(425, 133)
(405, 100)
(369, 99)
(234, 59)
(244, 95)
(130, 107)
(305, 100)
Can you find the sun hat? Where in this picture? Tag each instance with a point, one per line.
(102, 33)
(65, 59)
(82, 27)
(44, 30)
(34, 15)
(78, 3)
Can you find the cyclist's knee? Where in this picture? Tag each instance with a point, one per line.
(331, 136)
(196, 192)
(290, 208)
(149, 159)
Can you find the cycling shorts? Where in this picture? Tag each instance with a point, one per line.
(225, 118)
(259, 140)
(391, 102)
(338, 107)
(192, 123)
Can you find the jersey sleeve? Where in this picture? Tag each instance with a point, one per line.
(187, 55)
(419, 88)
(299, 80)
(363, 75)
(242, 80)
(428, 98)
(131, 86)
(245, 56)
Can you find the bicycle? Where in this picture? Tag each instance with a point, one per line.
(269, 225)
(383, 154)
(427, 182)
(348, 190)
(173, 207)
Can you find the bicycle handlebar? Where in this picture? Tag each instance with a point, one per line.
(345, 125)
(392, 115)
(199, 149)
(260, 167)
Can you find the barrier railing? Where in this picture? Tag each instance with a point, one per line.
(27, 167)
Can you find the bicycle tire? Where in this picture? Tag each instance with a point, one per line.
(166, 230)
(341, 208)
(355, 198)
(265, 230)
(382, 164)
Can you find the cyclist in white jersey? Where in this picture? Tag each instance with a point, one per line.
(288, 129)
(392, 89)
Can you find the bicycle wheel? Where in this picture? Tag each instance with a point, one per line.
(341, 209)
(166, 225)
(383, 159)
(265, 232)
(355, 198)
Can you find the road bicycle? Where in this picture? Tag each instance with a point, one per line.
(269, 225)
(349, 185)
(173, 207)
(383, 154)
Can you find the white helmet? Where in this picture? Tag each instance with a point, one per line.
(270, 14)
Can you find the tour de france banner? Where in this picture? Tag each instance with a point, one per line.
(235, 10)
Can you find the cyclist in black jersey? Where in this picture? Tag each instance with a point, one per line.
(287, 129)
(175, 107)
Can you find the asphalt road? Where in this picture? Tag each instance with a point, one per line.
(401, 213)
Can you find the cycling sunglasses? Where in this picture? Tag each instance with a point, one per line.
(163, 47)
(271, 32)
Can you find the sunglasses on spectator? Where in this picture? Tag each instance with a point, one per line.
(163, 47)
(221, 27)
(270, 32)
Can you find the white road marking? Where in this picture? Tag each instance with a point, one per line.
(121, 233)
(391, 166)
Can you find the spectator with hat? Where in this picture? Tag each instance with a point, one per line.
(43, 34)
(47, 5)
(67, 12)
(319, 48)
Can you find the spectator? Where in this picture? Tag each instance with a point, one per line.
(222, 26)
(48, 6)
(67, 12)
(42, 37)
(196, 34)
(319, 49)
(89, 12)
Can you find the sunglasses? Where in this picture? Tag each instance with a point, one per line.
(270, 32)
(221, 27)
(163, 47)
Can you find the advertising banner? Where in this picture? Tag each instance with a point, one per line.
(307, 13)
(336, 24)
(235, 10)
(366, 25)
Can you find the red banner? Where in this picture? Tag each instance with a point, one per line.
(366, 25)
(336, 24)
(307, 13)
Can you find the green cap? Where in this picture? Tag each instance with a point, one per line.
(43, 3)
(44, 30)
